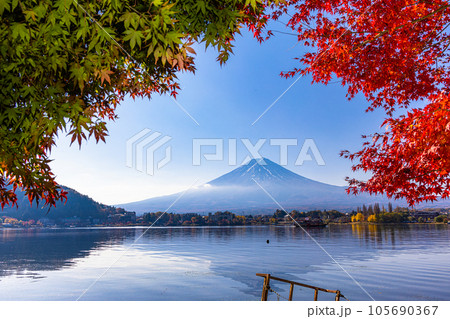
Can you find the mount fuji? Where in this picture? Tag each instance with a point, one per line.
(256, 187)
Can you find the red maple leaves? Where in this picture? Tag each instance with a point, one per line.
(411, 159)
(395, 53)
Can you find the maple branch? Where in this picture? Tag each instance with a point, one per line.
(437, 43)
(380, 34)
(443, 51)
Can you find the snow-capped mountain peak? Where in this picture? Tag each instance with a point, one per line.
(261, 170)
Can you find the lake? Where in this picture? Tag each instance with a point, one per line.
(402, 262)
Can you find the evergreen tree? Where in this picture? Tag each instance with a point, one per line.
(364, 210)
(376, 208)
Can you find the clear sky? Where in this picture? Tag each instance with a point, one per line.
(225, 101)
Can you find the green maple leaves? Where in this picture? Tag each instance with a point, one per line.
(65, 66)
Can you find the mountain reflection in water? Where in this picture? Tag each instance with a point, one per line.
(219, 263)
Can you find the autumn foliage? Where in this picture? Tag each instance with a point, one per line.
(66, 65)
(396, 54)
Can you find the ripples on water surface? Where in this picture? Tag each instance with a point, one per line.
(410, 262)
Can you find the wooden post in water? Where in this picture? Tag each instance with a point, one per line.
(266, 287)
(338, 295)
(291, 291)
(265, 291)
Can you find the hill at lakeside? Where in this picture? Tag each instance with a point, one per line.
(78, 206)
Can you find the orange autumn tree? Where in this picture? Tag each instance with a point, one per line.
(396, 54)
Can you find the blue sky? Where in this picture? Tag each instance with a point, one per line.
(225, 101)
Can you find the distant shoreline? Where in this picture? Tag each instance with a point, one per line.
(309, 219)
(213, 226)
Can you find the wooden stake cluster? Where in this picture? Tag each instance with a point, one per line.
(266, 287)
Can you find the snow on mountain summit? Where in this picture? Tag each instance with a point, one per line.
(261, 170)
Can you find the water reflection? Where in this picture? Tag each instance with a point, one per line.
(397, 236)
(219, 263)
(26, 252)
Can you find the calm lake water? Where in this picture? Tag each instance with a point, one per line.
(410, 262)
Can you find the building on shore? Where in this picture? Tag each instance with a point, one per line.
(424, 215)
